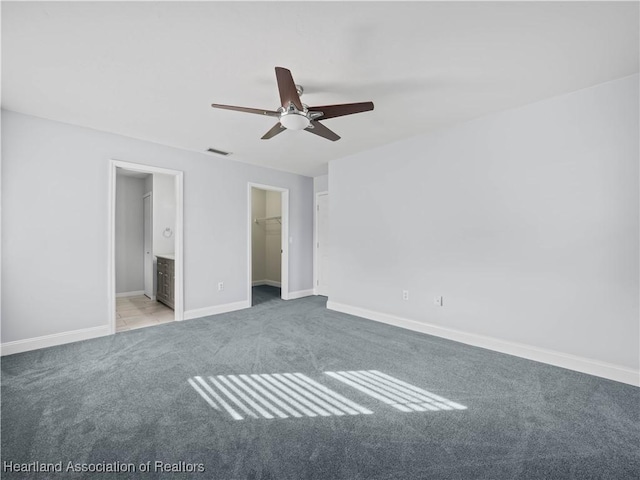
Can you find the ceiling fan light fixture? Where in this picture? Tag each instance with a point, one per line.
(295, 115)
(294, 121)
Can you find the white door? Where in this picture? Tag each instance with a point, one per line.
(322, 253)
(148, 247)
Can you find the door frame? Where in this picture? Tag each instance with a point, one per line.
(179, 244)
(316, 224)
(150, 195)
(284, 266)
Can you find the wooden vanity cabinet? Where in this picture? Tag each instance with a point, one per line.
(166, 276)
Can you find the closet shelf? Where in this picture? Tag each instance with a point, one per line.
(266, 219)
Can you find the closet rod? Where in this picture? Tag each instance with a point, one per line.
(278, 218)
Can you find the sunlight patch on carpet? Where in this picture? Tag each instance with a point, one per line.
(271, 396)
(394, 392)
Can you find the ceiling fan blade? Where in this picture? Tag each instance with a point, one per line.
(332, 111)
(275, 130)
(322, 131)
(287, 88)
(259, 111)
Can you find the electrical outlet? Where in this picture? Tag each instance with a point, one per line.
(220, 286)
(438, 300)
(405, 294)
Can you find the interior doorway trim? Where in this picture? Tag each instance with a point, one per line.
(179, 244)
(151, 296)
(316, 225)
(284, 270)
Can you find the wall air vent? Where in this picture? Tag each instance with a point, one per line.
(218, 152)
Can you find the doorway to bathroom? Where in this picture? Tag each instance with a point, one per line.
(145, 250)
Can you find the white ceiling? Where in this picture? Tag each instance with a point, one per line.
(150, 70)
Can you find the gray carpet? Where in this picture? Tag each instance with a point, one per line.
(127, 398)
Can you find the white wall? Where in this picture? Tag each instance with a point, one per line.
(321, 184)
(525, 221)
(164, 213)
(258, 235)
(129, 235)
(66, 224)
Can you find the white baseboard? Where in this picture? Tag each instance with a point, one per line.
(130, 294)
(216, 309)
(271, 283)
(300, 294)
(18, 346)
(572, 362)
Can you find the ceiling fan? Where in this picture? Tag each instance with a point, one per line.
(295, 115)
